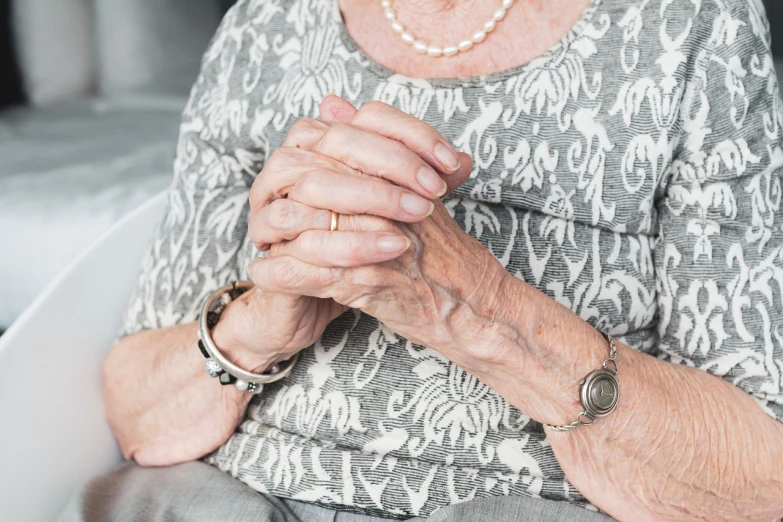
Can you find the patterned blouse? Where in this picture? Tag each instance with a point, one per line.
(632, 173)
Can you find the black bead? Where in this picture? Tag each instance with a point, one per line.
(203, 350)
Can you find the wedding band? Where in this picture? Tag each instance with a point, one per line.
(335, 218)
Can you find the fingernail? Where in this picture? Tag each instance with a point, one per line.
(416, 205)
(329, 94)
(430, 180)
(392, 244)
(447, 157)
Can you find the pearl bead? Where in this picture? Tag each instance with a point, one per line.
(241, 385)
(465, 45)
(421, 47)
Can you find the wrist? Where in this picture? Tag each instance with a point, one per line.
(231, 338)
(545, 351)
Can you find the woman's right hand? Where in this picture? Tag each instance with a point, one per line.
(158, 401)
(373, 163)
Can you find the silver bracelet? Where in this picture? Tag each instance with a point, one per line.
(600, 392)
(217, 365)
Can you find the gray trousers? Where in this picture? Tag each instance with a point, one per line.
(199, 492)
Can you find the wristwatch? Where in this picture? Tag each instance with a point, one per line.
(600, 392)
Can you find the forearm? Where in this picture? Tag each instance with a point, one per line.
(681, 445)
(159, 402)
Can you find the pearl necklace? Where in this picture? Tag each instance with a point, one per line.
(421, 47)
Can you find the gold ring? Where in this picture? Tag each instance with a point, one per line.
(335, 219)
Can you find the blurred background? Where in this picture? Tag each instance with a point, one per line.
(91, 93)
(90, 97)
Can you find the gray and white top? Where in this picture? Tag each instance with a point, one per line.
(632, 172)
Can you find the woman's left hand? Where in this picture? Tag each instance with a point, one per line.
(443, 292)
(446, 292)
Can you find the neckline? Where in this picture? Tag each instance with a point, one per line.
(541, 61)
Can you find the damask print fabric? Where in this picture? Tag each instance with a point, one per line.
(633, 173)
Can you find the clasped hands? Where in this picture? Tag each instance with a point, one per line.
(397, 254)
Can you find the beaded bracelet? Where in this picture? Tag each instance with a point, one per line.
(217, 366)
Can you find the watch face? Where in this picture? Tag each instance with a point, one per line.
(600, 393)
(603, 394)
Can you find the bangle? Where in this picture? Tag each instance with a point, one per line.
(600, 392)
(217, 365)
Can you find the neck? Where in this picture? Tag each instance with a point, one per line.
(529, 28)
(442, 7)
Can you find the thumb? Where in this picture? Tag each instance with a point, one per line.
(453, 181)
(334, 108)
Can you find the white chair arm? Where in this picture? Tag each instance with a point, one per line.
(53, 435)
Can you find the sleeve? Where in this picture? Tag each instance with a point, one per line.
(719, 255)
(197, 246)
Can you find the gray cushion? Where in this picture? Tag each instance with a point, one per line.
(143, 42)
(54, 44)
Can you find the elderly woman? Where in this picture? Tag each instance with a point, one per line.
(590, 323)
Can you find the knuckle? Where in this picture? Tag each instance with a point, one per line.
(333, 136)
(423, 132)
(273, 164)
(254, 270)
(257, 196)
(318, 242)
(303, 126)
(265, 184)
(307, 241)
(380, 195)
(305, 185)
(333, 278)
(283, 158)
(354, 248)
(304, 132)
(397, 151)
(352, 288)
(254, 229)
(280, 215)
(373, 107)
(283, 273)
